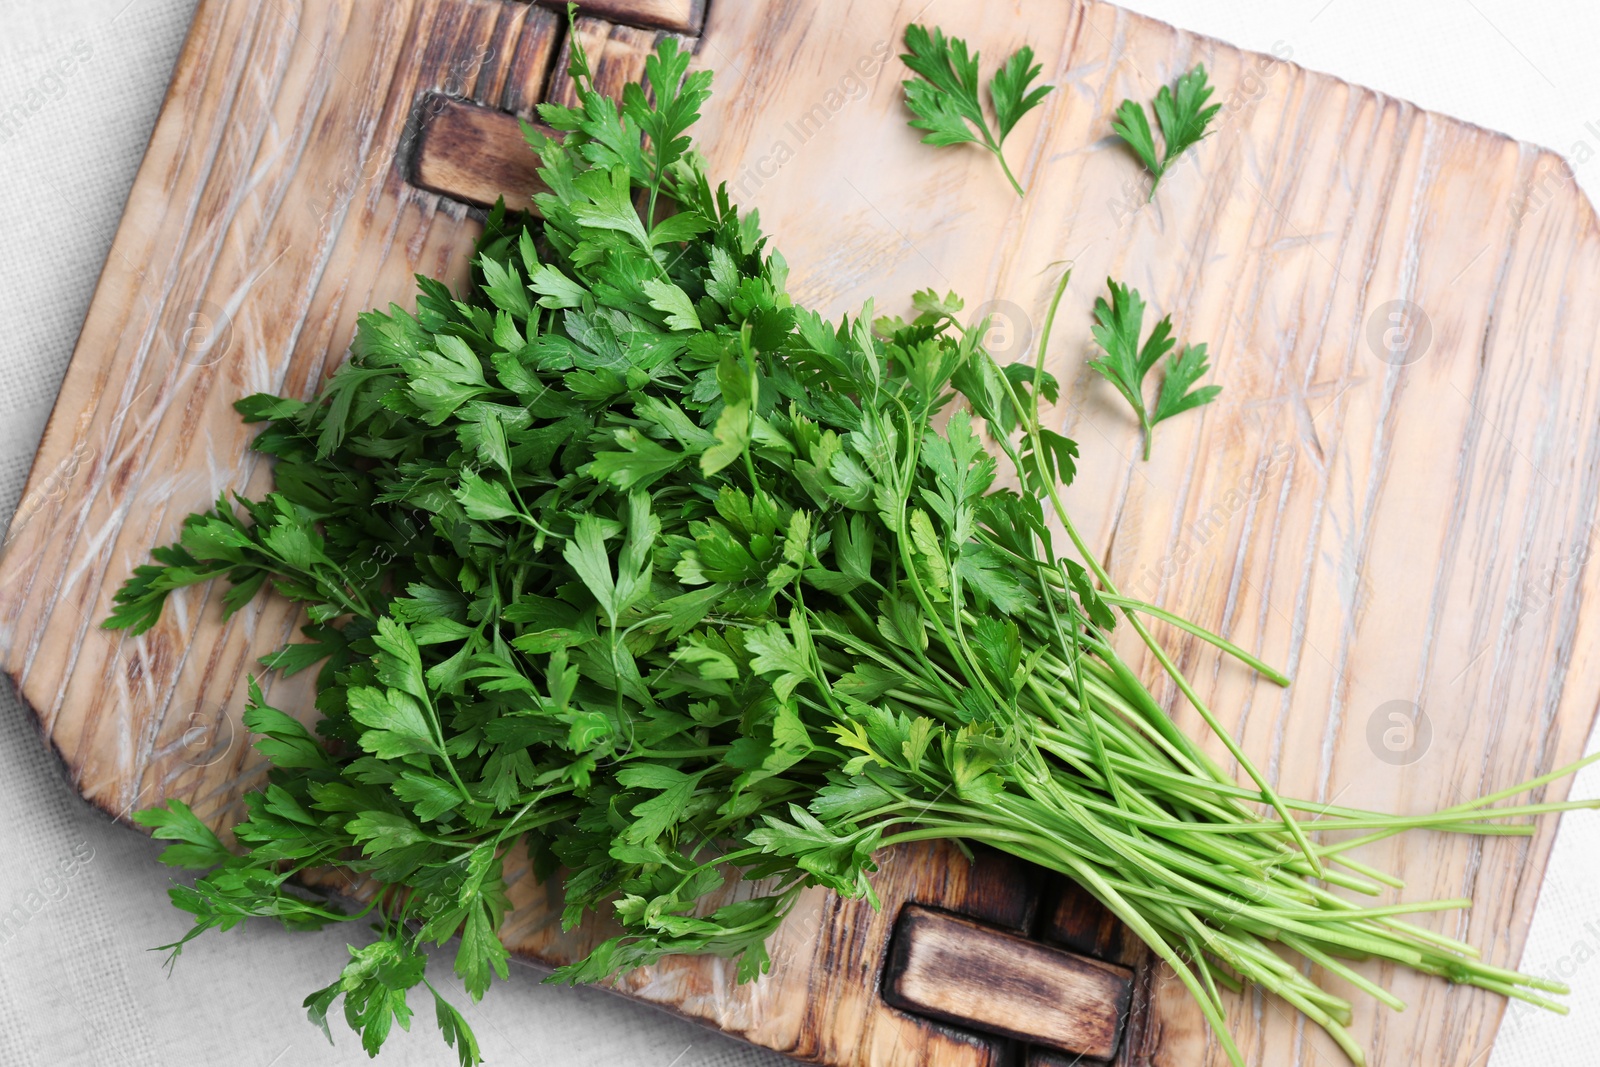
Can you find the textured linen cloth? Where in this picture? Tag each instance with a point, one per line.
(80, 85)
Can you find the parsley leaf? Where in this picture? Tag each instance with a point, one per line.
(197, 845)
(1117, 329)
(944, 97)
(1182, 115)
(1182, 372)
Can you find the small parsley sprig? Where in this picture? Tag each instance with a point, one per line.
(1117, 328)
(945, 96)
(1182, 115)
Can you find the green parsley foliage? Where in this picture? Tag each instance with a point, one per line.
(1182, 115)
(944, 95)
(621, 566)
(1118, 326)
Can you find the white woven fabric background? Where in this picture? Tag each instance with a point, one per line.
(77, 984)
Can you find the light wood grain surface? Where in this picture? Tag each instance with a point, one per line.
(1400, 528)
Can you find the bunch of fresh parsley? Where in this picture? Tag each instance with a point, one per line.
(621, 560)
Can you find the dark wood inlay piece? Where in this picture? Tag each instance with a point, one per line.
(1073, 919)
(681, 16)
(616, 58)
(1078, 922)
(981, 978)
(474, 153)
(1001, 890)
(1140, 1039)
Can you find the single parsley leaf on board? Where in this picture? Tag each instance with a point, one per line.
(1117, 328)
(457, 1034)
(197, 846)
(1182, 372)
(1009, 92)
(1182, 115)
(945, 100)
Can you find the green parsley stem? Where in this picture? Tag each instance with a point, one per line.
(1004, 166)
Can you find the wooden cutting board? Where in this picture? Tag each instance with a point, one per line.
(1394, 495)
